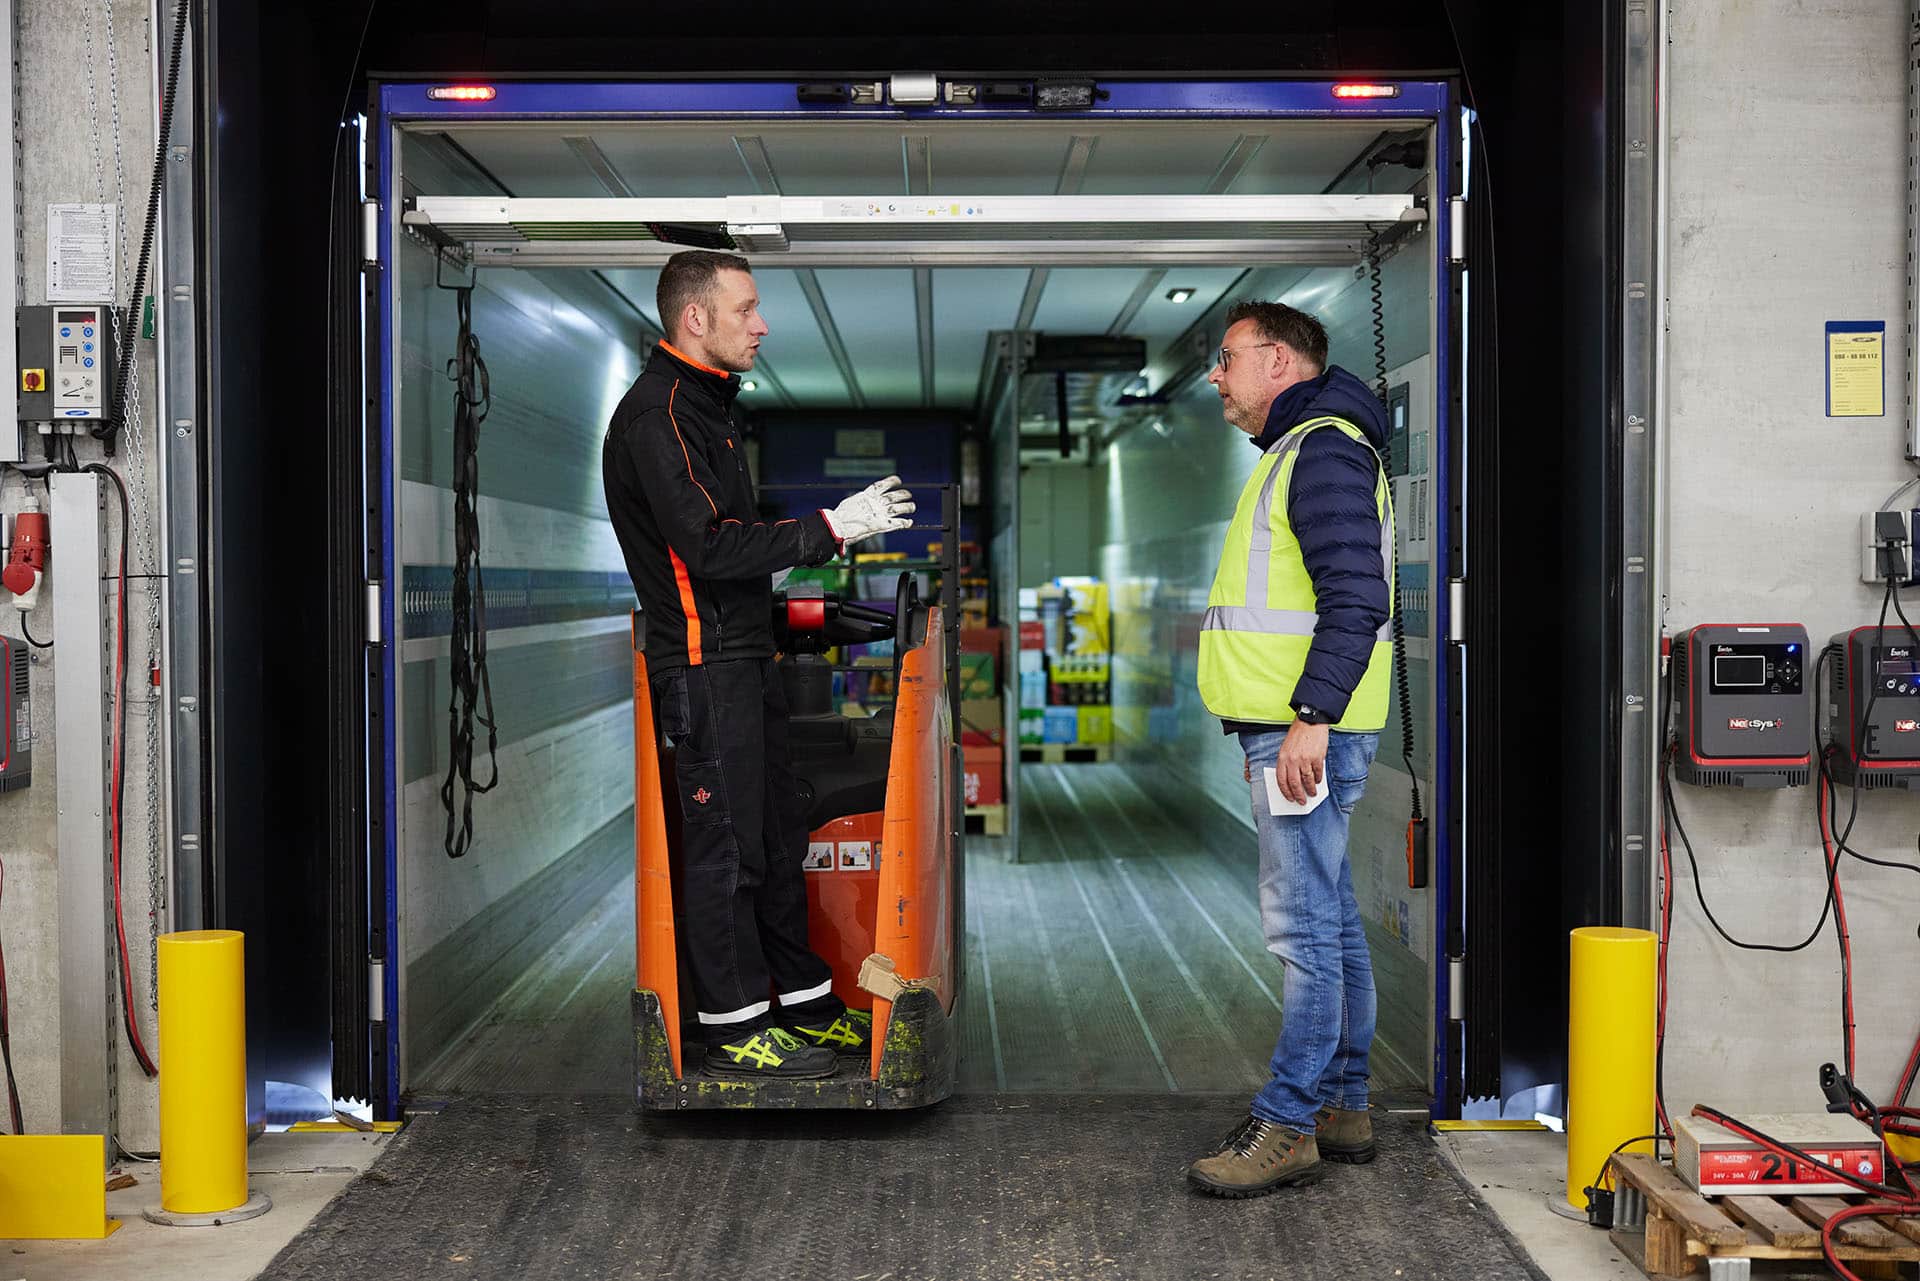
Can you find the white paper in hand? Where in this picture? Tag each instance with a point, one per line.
(1277, 802)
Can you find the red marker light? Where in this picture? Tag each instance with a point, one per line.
(462, 93)
(1366, 91)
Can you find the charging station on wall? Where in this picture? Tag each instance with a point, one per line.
(1742, 690)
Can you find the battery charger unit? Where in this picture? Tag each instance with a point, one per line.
(1742, 694)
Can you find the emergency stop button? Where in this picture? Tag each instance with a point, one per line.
(33, 380)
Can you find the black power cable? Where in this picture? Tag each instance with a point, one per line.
(472, 398)
(117, 785)
(1403, 686)
(108, 430)
(6, 1035)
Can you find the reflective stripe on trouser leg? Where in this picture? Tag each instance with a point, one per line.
(745, 1014)
(811, 994)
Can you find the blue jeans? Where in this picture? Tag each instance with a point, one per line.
(1312, 923)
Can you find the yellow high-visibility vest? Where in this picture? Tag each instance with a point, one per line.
(1262, 610)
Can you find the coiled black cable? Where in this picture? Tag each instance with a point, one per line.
(472, 398)
(108, 429)
(1403, 685)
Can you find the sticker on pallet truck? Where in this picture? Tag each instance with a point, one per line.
(819, 857)
(856, 856)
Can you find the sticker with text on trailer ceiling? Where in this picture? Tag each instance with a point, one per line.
(819, 857)
(856, 856)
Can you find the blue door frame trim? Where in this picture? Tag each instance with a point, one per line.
(1417, 100)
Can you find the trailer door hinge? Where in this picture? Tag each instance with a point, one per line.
(1456, 988)
(376, 990)
(1457, 229)
(374, 613)
(1457, 610)
(369, 233)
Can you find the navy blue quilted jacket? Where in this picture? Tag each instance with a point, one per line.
(1331, 505)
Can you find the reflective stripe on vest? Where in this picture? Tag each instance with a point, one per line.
(1252, 654)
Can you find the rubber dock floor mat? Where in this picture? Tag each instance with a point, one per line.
(1006, 1187)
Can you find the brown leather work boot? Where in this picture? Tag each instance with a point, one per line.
(1345, 1136)
(1260, 1157)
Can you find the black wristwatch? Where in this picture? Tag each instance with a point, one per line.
(1311, 714)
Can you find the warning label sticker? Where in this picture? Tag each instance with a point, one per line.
(856, 856)
(819, 857)
(1746, 1166)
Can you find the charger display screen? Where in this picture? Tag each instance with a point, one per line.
(1755, 669)
(1896, 671)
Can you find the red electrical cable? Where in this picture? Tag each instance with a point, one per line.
(116, 800)
(1666, 934)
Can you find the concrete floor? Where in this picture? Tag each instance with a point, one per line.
(1523, 1175)
(301, 1172)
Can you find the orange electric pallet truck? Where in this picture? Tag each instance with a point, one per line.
(883, 862)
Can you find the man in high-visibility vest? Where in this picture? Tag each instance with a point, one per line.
(1295, 657)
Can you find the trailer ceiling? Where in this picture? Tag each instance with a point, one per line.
(898, 337)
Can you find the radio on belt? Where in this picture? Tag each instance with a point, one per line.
(1872, 700)
(1742, 695)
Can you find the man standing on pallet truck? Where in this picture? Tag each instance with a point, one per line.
(701, 560)
(1296, 658)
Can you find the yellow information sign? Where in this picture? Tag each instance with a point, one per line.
(1856, 369)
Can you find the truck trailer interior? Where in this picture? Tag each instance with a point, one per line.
(1107, 931)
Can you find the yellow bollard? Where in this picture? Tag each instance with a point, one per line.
(203, 1081)
(1610, 1050)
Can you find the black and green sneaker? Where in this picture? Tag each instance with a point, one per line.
(770, 1053)
(849, 1032)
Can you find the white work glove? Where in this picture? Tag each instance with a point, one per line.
(880, 507)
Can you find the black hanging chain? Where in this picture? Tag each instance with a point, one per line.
(472, 398)
(1402, 685)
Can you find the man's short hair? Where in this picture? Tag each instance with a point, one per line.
(1277, 322)
(692, 277)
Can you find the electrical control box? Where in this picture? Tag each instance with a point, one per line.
(1872, 698)
(67, 362)
(16, 715)
(1741, 691)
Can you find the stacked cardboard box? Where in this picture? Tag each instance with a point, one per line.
(982, 715)
(1065, 657)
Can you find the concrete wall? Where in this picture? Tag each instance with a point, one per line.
(561, 349)
(1787, 174)
(1171, 491)
(67, 154)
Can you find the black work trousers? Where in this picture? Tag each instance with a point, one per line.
(742, 839)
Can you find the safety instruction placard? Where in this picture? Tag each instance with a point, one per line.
(1856, 368)
(80, 255)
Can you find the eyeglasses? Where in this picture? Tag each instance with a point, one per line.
(1226, 353)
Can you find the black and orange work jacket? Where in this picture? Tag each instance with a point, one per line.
(682, 505)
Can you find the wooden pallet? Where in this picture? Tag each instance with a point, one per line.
(1670, 1230)
(992, 819)
(1062, 753)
